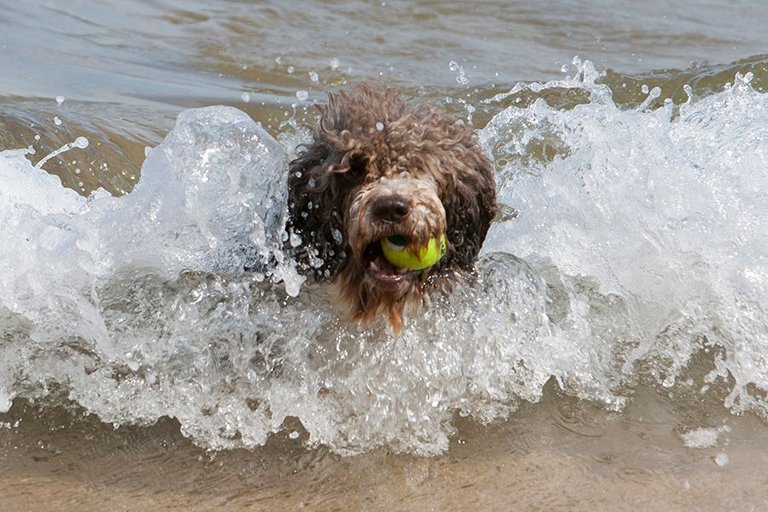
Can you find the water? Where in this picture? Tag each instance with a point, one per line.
(623, 286)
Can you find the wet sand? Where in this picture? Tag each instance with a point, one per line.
(561, 454)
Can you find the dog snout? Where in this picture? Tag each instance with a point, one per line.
(391, 209)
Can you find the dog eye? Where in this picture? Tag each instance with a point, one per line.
(357, 165)
(356, 171)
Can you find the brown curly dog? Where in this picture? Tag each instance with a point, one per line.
(377, 168)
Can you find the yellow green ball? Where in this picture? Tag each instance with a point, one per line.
(400, 256)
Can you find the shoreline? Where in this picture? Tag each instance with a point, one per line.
(560, 454)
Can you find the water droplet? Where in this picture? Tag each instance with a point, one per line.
(313, 77)
(721, 459)
(245, 97)
(302, 95)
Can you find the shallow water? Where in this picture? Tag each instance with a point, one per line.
(612, 346)
(559, 454)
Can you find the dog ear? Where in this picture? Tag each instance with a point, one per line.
(470, 209)
(313, 210)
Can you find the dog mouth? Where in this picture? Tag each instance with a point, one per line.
(381, 271)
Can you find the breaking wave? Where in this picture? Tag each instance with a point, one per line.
(632, 240)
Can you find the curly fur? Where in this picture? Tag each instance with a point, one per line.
(368, 145)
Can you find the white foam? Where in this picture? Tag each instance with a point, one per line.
(704, 437)
(643, 240)
(213, 187)
(662, 215)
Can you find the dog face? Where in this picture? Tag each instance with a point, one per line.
(403, 204)
(377, 169)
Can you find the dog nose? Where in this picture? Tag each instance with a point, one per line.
(391, 208)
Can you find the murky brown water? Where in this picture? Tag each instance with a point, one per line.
(560, 454)
(125, 69)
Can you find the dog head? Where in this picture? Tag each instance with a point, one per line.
(374, 169)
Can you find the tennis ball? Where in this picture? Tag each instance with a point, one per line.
(395, 251)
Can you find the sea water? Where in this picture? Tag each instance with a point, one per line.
(632, 245)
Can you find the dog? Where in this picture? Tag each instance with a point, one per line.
(377, 167)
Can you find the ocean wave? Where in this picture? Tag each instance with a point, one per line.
(633, 240)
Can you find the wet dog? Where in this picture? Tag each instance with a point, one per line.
(379, 168)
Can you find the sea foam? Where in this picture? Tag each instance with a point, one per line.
(633, 240)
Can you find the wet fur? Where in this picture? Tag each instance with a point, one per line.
(368, 141)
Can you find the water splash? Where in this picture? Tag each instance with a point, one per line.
(203, 203)
(634, 240)
(80, 143)
(661, 212)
